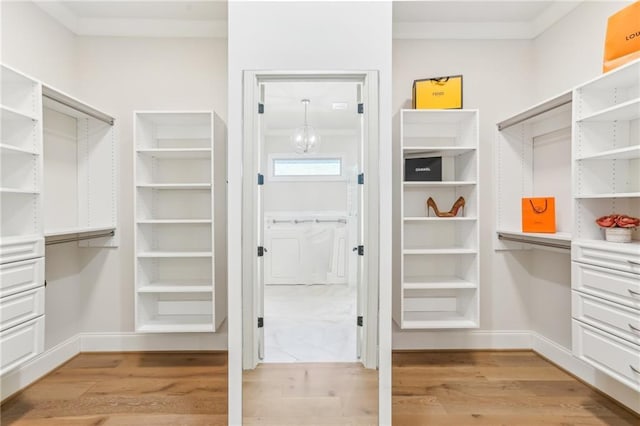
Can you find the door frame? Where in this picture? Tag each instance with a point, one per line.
(250, 230)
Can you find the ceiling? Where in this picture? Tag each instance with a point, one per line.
(430, 19)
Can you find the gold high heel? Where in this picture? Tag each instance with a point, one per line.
(451, 213)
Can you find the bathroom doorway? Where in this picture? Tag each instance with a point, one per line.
(311, 295)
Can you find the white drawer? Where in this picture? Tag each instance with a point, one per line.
(620, 256)
(21, 343)
(611, 317)
(20, 276)
(610, 284)
(13, 249)
(613, 356)
(21, 307)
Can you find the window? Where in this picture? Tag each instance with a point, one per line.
(292, 168)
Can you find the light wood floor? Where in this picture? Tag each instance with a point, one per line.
(441, 388)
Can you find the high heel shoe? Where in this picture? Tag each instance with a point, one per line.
(451, 213)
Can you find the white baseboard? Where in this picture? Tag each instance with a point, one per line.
(461, 339)
(123, 342)
(39, 366)
(563, 357)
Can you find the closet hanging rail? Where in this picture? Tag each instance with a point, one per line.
(564, 246)
(80, 238)
(68, 101)
(297, 221)
(537, 110)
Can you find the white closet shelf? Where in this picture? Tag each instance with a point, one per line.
(8, 113)
(609, 195)
(175, 185)
(435, 116)
(176, 288)
(442, 184)
(10, 148)
(18, 191)
(177, 153)
(439, 251)
(558, 236)
(174, 221)
(444, 151)
(436, 320)
(74, 231)
(436, 283)
(626, 153)
(625, 111)
(632, 248)
(439, 219)
(174, 254)
(623, 77)
(178, 323)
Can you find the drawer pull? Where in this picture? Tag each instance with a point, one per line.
(636, 329)
(634, 293)
(635, 370)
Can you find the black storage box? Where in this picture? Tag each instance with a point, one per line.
(423, 169)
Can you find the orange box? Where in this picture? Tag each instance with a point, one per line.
(539, 215)
(622, 42)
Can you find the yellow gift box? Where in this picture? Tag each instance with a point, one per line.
(438, 93)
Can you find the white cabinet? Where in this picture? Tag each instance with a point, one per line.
(180, 231)
(439, 266)
(21, 227)
(606, 180)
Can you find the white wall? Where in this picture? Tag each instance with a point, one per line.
(570, 52)
(37, 45)
(497, 79)
(295, 36)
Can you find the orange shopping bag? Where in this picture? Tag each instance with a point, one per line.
(622, 42)
(539, 214)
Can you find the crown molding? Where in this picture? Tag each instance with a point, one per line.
(132, 27)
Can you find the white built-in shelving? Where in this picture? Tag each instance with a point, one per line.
(533, 157)
(180, 187)
(21, 228)
(440, 258)
(606, 179)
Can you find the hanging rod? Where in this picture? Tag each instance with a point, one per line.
(566, 246)
(550, 105)
(75, 104)
(297, 221)
(80, 238)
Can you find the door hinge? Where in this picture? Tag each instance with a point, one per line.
(260, 108)
(260, 179)
(360, 320)
(360, 108)
(360, 250)
(361, 179)
(260, 322)
(261, 251)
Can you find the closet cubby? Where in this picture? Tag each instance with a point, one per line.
(180, 232)
(439, 259)
(533, 157)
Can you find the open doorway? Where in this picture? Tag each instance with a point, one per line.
(311, 149)
(310, 219)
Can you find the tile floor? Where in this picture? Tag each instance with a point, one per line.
(310, 323)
